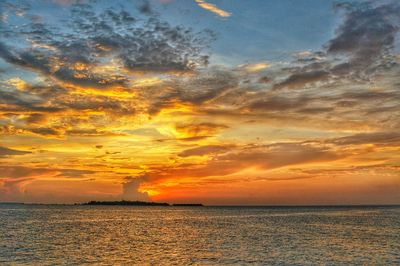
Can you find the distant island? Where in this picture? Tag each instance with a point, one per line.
(188, 205)
(127, 203)
(140, 203)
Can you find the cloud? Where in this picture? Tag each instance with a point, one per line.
(213, 8)
(13, 99)
(348, 170)
(130, 189)
(199, 129)
(316, 110)
(205, 150)
(362, 47)
(299, 80)
(88, 69)
(91, 132)
(366, 35)
(277, 103)
(228, 160)
(13, 189)
(76, 57)
(145, 8)
(368, 95)
(280, 155)
(185, 139)
(44, 131)
(205, 87)
(82, 61)
(35, 118)
(254, 68)
(74, 173)
(4, 151)
(11, 171)
(67, 2)
(22, 171)
(382, 138)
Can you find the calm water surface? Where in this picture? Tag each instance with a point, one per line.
(109, 235)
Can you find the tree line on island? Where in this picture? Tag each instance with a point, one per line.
(140, 203)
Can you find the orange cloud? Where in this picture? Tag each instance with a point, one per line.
(213, 8)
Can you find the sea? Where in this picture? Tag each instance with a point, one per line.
(133, 235)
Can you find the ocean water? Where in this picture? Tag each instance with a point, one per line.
(129, 235)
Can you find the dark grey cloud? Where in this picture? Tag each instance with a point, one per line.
(74, 173)
(4, 151)
(206, 87)
(98, 103)
(10, 171)
(316, 110)
(15, 171)
(369, 95)
(362, 46)
(367, 33)
(92, 38)
(37, 99)
(315, 172)
(382, 138)
(35, 118)
(278, 103)
(200, 129)
(188, 139)
(206, 150)
(131, 186)
(44, 131)
(90, 132)
(145, 8)
(366, 37)
(299, 80)
(41, 60)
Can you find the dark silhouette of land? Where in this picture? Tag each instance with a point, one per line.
(188, 204)
(140, 203)
(126, 203)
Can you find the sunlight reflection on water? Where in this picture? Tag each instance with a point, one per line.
(49, 235)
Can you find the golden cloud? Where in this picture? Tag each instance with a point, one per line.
(213, 8)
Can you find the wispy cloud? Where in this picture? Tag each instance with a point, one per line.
(4, 151)
(213, 8)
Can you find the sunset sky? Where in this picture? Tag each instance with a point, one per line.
(229, 102)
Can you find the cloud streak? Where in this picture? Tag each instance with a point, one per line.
(4, 151)
(213, 8)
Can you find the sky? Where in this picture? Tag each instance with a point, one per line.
(227, 102)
